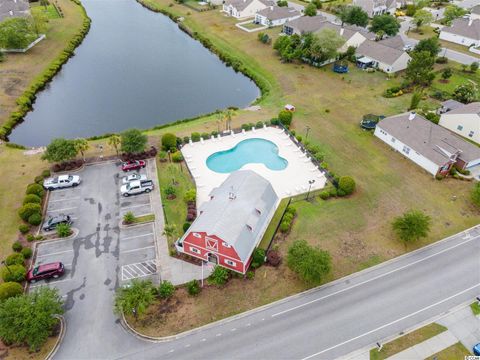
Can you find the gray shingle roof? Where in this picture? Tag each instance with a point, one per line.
(464, 27)
(451, 104)
(377, 51)
(427, 138)
(472, 108)
(228, 218)
(242, 4)
(307, 24)
(395, 42)
(476, 10)
(348, 30)
(14, 8)
(277, 12)
(369, 5)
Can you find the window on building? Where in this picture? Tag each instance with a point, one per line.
(197, 235)
(460, 127)
(226, 245)
(249, 227)
(406, 150)
(393, 139)
(230, 263)
(258, 212)
(470, 134)
(194, 250)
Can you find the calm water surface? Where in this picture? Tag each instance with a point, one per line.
(137, 69)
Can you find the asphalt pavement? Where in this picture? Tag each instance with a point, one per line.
(331, 321)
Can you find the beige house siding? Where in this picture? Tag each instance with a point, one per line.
(463, 125)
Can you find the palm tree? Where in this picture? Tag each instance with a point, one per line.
(82, 145)
(114, 141)
(228, 114)
(169, 231)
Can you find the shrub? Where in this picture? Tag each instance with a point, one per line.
(273, 258)
(284, 226)
(133, 141)
(186, 226)
(190, 217)
(169, 142)
(310, 263)
(193, 287)
(162, 156)
(475, 195)
(177, 157)
(333, 192)
(250, 275)
(15, 259)
(259, 125)
(166, 289)
(32, 199)
(39, 237)
(35, 189)
(17, 247)
(46, 173)
(24, 228)
(346, 184)
(190, 195)
(28, 210)
(474, 66)
(291, 210)
(441, 60)
(219, 276)
(170, 190)
(258, 258)
(128, 218)
(38, 179)
(195, 136)
(435, 118)
(30, 237)
(324, 195)
(341, 193)
(35, 219)
(14, 273)
(285, 117)
(63, 230)
(205, 136)
(186, 139)
(27, 252)
(10, 289)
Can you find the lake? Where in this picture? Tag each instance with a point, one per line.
(135, 68)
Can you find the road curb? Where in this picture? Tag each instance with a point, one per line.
(63, 329)
(286, 299)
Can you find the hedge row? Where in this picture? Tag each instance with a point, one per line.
(228, 59)
(26, 100)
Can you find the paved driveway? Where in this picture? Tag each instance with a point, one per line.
(100, 258)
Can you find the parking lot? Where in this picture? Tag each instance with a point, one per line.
(104, 254)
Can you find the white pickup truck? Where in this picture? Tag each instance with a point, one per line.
(62, 181)
(136, 187)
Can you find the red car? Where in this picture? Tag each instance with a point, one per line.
(133, 165)
(45, 271)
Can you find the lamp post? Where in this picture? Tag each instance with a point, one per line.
(169, 157)
(4, 263)
(310, 183)
(306, 135)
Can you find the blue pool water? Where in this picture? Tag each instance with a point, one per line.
(250, 151)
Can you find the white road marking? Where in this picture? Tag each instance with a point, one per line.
(248, 324)
(369, 280)
(220, 334)
(188, 345)
(55, 253)
(171, 350)
(138, 270)
(393, 322)
(136, 236)
(204, 339)
(63, 209)
(49, 283)
(233, 329)
(66, 199)
(134, 206)
(143, 248)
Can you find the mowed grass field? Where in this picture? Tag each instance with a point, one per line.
(18, 70)
(358, 229)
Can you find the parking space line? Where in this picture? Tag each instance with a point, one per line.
(134, 206)
(67, 199)
(55, 253)
(50, 283)
(136, 236)
(63, 209)
(139, 269)
(129, 273)
(143, 248)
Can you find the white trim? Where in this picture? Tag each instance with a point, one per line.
(230, 263)
(194, 250)
(209, 251)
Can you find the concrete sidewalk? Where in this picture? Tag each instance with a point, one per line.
(464, 325)
(171, 269)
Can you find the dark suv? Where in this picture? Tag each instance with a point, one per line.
(52, 222)
(46, 271)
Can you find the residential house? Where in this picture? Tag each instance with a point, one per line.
(276, 15)
(303, 25)
(463, 120)
(378, 55)
(430, 146)
(231, 224)
(242, 9)
(448, 105)
(14, 8)
(376, 7)
(462, 31)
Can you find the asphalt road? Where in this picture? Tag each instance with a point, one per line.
(328, 322)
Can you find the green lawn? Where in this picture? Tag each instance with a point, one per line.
(144, 219)
(49, 10)
(459, 77)
(475, 308)
(178, 176)
(406, 341)
(252, 26)
(454, 352)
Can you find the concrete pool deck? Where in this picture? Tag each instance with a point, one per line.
(290, 181)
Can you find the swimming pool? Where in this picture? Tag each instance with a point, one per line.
(250, 151)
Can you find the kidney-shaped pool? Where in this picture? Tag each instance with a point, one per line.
(250, 151)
